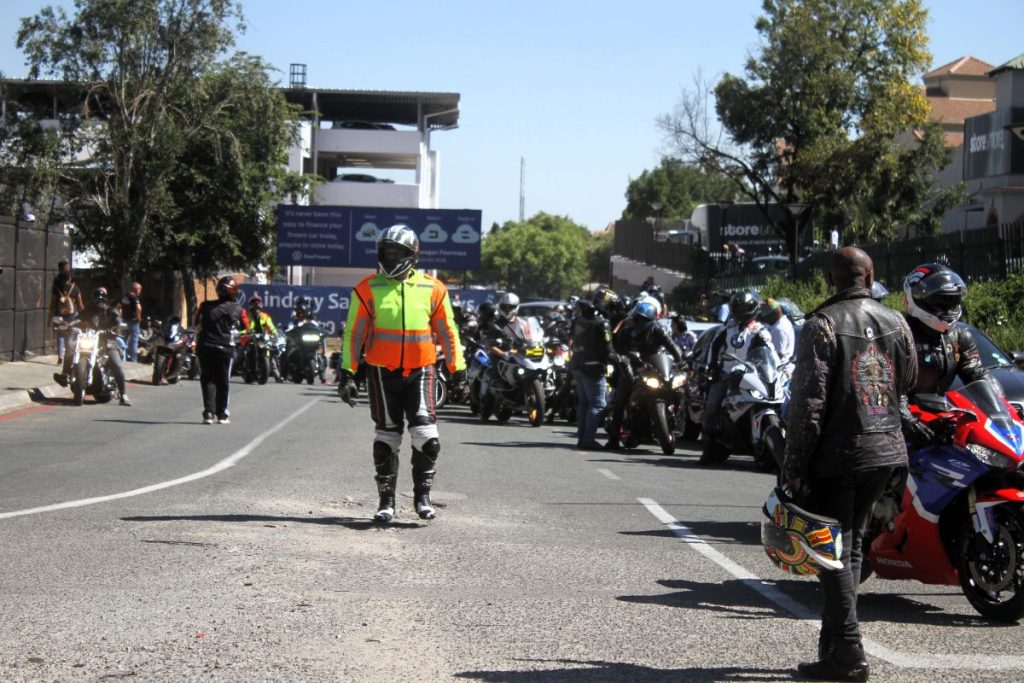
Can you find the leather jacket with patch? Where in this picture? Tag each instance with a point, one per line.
(854, 366)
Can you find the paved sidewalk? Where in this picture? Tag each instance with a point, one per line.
(25, 382)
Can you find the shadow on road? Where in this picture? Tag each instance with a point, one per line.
(521, 444)
(356, 523)
(152, 422)
(740, 533)
(623, 671)
(731, 597)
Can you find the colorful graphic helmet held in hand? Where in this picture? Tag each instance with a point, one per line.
(797, 541)
(934, 294)
(397, 251)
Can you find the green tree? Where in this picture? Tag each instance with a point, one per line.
(545, 255)
(676, 188)
(138, 63)
(818, 120)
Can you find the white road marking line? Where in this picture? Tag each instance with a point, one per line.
(608, 473)
(219, 467)
(771, 593)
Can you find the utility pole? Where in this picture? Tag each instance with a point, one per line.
(522, 189)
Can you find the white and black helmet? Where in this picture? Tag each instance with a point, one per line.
(508, 306)
(397, 250)
(934, 295)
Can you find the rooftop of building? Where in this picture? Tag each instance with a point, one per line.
(964, 66)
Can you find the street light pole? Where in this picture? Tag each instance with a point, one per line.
(797, 211)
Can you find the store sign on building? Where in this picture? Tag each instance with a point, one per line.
(345, 236)
(746, 226)
(991, 149)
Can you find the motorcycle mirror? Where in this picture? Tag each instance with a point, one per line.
(1018, 358)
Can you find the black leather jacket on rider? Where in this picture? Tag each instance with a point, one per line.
(100, 316)
(645, 339)
(941, 358)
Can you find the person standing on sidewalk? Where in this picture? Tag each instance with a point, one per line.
(396, 315)
(591, 352)
(855, 363)
(65, 303)
(131, 313)
(218, 324)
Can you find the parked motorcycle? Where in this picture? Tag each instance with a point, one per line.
(304, 357)
(477, 363)
(172, 353)
(653, 405)
(562, 402)
(750, 419)
(962, 514)
(149, 337)
(517, 384)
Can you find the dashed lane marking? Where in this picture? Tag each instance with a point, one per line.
(195, 476)
(608, 473)
(772, 594)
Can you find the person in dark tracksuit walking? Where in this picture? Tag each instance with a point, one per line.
(218, 323)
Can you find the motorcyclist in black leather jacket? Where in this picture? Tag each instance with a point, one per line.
(639, 335)
(945, 350)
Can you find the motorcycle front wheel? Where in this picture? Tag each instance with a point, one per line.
(440, 391)
(768, 458)
(992, 574)
(535, 403)
(81, 380)
(666, 439)
(158, 369)
(262, 369)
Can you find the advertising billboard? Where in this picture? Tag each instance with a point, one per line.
(990, 148)
(345, 236)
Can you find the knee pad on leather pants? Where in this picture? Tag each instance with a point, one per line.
(426, 457)
(385, 460)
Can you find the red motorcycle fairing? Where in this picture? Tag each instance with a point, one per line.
(1002, 496)
(914, 550)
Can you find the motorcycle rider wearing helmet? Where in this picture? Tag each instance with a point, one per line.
(260, 320)
(737, 337)
(508, 328)
(610, 305)
(395, 315)
(855, 364)
(945, 351)
(217, 327)
(101, 316)
(591, 351)
(638, 335)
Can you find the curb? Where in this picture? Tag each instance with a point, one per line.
(27, 397)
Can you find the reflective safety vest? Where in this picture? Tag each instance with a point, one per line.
(265, 322)
(399, 323)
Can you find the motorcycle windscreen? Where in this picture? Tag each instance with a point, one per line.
(982, 394)
(661, 362)
(535, 330)
(763, 361)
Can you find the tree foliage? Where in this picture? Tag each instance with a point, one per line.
(545, 256)
(187, 146)
(677, 188)
(822, 117)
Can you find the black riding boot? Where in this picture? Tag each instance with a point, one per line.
(423, 470)
(385, 461)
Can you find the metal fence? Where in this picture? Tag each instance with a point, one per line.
(991, 253)
(29, 254)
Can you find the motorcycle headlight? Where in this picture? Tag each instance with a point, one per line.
(559, 361)
(990, 457)
(520, 371)
(678, 381)
(754, 393)
(310, 337)
(652, 382)
(86, 343)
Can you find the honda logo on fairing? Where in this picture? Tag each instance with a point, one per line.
(894, 563)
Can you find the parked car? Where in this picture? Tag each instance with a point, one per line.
(540, 309)
(1001, 365)
(362, 125)
(360, 178)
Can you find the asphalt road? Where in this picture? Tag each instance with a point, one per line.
(137, 544)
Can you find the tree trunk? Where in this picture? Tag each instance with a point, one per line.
(188, 282)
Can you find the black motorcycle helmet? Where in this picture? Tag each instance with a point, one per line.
(301, 305)
(743, 307)
(586, 309)
(485, 313)
(227, 288)
(99, 295)
(607, 301)
(935, 295)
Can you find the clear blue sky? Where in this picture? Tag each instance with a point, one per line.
(573, 86)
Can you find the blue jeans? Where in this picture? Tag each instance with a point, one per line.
(591, 393)
(133, 341)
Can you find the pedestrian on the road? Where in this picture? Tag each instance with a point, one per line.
(218, 324)
(780, 327)
(131, 313)
(65, 303)
(855, 364)
(395, 316)
(591, 352)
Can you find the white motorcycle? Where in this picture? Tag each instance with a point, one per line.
(750, 419)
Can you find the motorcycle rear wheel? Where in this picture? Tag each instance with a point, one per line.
(81, 379)
(666, 439)
(535, 403)
(987, 570)
(486, 407)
